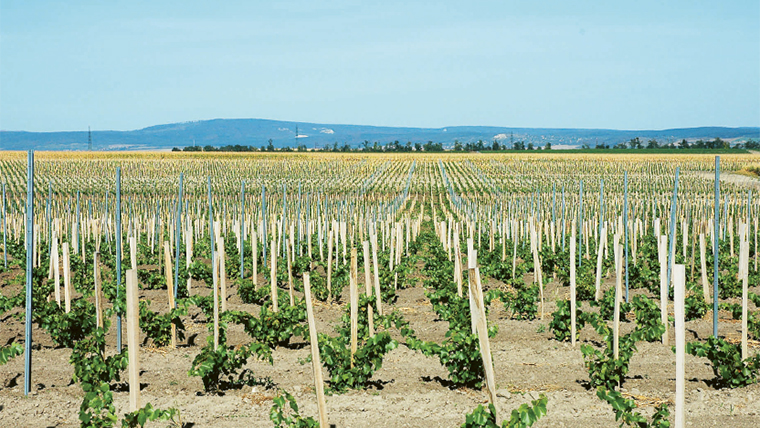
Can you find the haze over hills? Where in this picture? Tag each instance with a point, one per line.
(258, 132)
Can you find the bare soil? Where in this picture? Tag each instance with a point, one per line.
(411, 389)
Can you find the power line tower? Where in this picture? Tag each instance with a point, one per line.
(296, 137)
(89, 139)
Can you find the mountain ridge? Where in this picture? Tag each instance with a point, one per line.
(258, 132)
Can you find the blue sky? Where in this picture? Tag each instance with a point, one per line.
(570, 64)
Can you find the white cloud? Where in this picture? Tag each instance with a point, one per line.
(327, 131)
(500, 137)
(283, 129)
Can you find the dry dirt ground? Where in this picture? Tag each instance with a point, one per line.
(730, 177)
(411, 389)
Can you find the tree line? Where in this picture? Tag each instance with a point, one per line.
(478, 146)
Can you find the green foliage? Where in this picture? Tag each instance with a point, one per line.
(645, 273)
(339, 280)
(9, 352)
(204, 303)
(380, 322)
(199, 271)
(336, 356)
(753, 317)
(560, 323)
(585, 277)
(66, 329)
(604, 369)
(606, 305)
(522, 417)
(273, 328)
(280, 417)
(90, 363)
(8, 303)
(523, 302)
(219, 368)
(159, 327)
(459, 353)
(250, 295)
(624, 411)
(152, 280)
(695, 306)
(97, 409)
(727, 364)
(141, 416)
(649, 325)
(95, 371)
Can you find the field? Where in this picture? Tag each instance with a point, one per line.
(543, 228)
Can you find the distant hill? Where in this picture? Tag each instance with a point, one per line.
(257, 132)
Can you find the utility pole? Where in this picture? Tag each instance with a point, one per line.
(89, 139)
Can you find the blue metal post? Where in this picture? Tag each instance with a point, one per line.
(211, 222)
(716, 230)
(118, 255)
(625, 228)
(29, 262)
(264, 226)
(672, 242)
(48, 208)
(601, 208)
(242, 228)
(563, 218)
(177, 228)
(580, 225)
(5, 232)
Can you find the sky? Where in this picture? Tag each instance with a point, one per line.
(124, 65)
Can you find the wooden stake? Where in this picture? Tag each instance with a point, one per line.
(316, 364)
(618, 297)
(599, 259)
(368, 288)
(458, 264)
(66, 277)
(189, 254)
(744, 262)
(56, 266)
(133, 251)
(479, 319)
(378, 301)
(255, 277)
(98, 290)
(288, 248)
(572, 289)
(354, 294)
(222, 272)
(215, 276)
(679, 284)
(133, 339)
(273, 276)
(329, 264)
(664, 286)
(703, 267)
(169, 272)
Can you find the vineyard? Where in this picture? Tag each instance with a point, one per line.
(379, 290)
